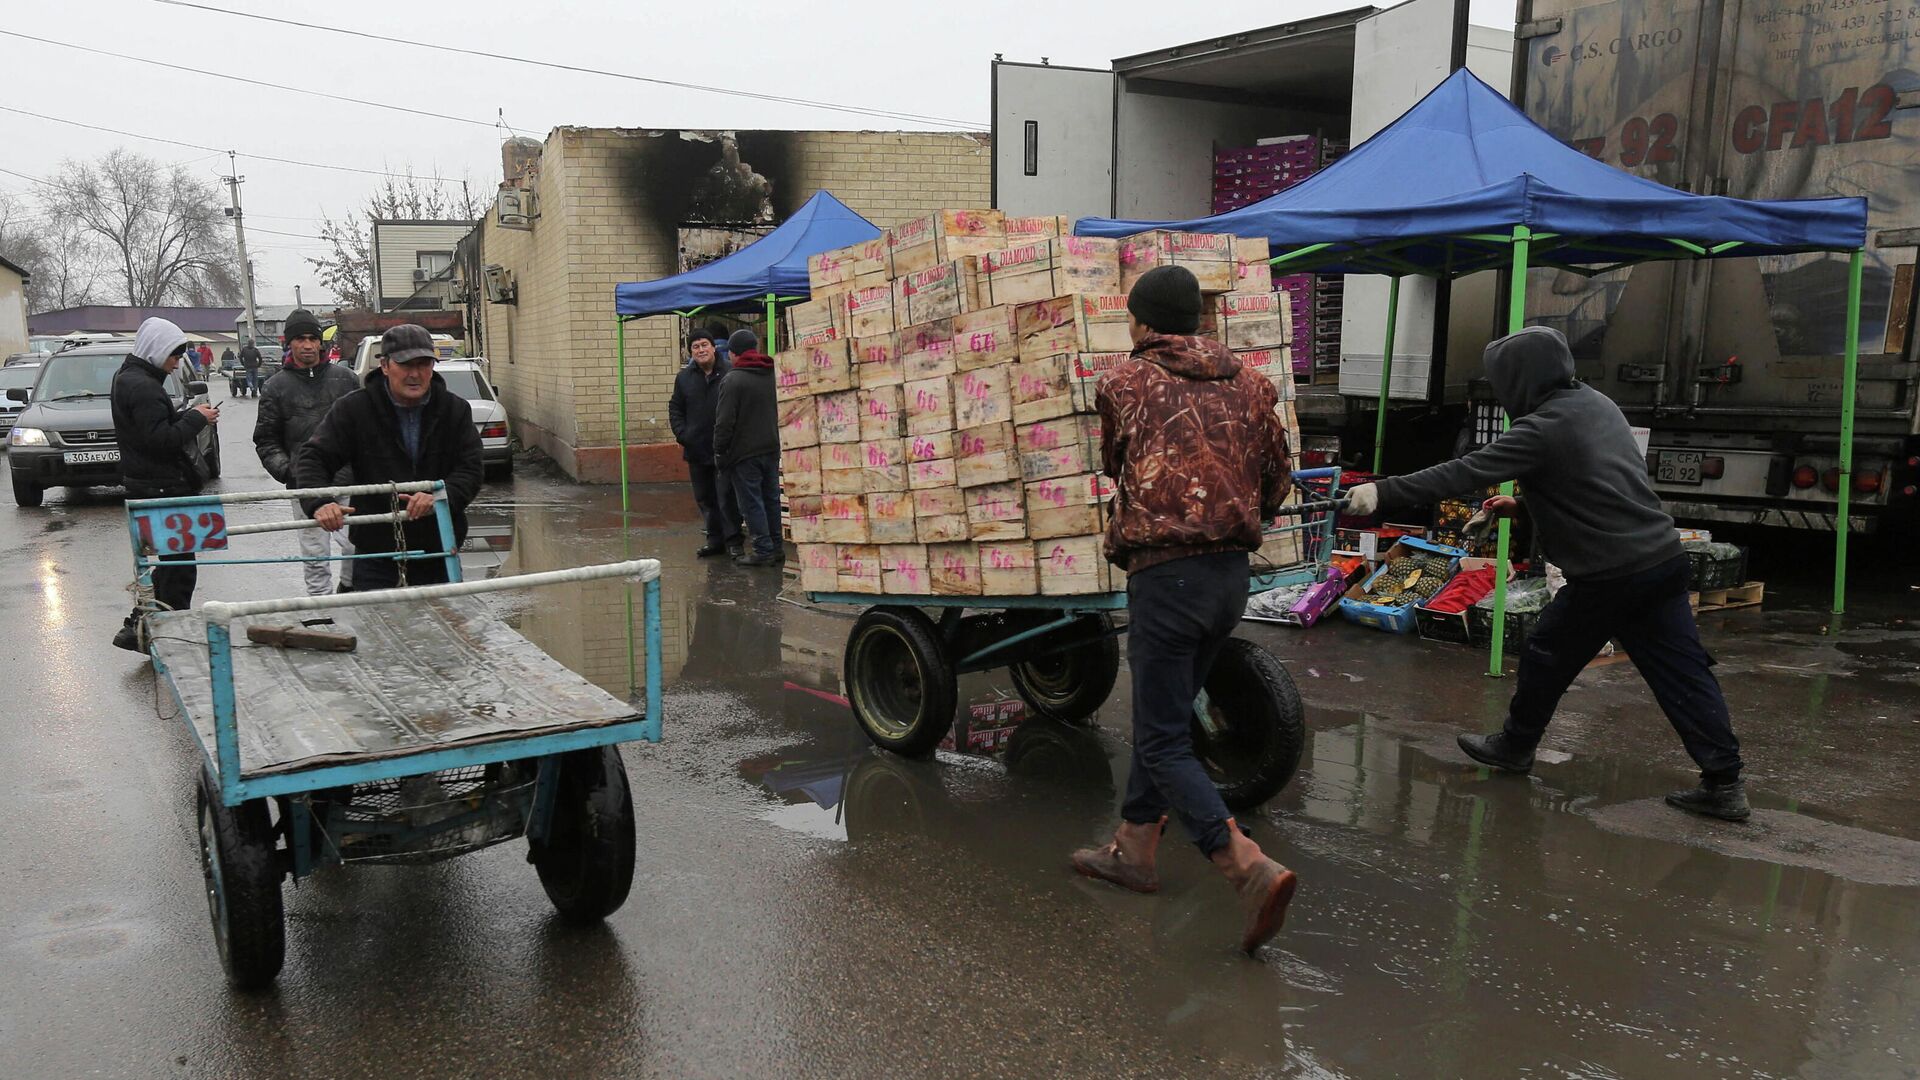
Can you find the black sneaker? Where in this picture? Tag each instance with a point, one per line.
(707, 551)
(1728, 802)
(755, 560)
(1497, 751)
(736, 548)
(128, 638)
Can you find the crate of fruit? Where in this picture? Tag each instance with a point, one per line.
(1716, 566)
(1414, 570)
(1525, 599)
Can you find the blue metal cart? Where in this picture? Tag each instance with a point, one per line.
(441, 731)
(902, 665)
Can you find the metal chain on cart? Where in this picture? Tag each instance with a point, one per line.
(399, 537)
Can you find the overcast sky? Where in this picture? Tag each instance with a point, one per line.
(924, 59)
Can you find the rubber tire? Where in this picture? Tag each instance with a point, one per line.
(586, 863)
(897, 661)
(240, 865)
(1259, 752)
(27, 494)
(1087, 673)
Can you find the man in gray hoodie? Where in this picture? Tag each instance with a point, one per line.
(1586, 487)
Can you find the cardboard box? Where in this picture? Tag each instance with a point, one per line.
(838, 416)
(1208, 255)
(1251, 270)
(1008, 569)
(930, 447)
(982, 397)
(926, 350)
(940, 291)
(955, 569)
(1042, 389)
(1026, 230)
(1251, 320)
(929, 405)
(799, 423)
(876, 361)
(1049, 268)
(890, 517)
(1080, 323)
(986, 455)
(903, 570)
(942, 237)
(881, 414)
(870, 309)
(792, 371)
(858, 570)
(803, 514)
(829, 367)
(985, 337)
(819, 567)
(1074, 566)
(1063, 447)
(940, 515)
(937, 473)
(800, 471)
(1068, 505)
(818, 316)
(994, 512)
(843, 519)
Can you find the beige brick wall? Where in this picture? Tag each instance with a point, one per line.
(553, 352)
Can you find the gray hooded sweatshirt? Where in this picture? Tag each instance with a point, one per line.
(1584, 478)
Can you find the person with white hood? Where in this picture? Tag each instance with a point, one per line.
(158, 451)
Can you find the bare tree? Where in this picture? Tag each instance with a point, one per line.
(347, 270)
(161, 228)
(55, 250)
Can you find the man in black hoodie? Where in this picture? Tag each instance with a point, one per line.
(291, 406)
(746, 445)
(696, 390)
(403, 425)
(1627, 577)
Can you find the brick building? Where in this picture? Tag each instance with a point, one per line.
(609, 206)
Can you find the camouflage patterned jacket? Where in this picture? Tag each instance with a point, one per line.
(1198, 452)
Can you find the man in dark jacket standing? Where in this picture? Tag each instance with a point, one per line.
(158, 447)
(746, 445)
(292, 403)
(696, 390)
(1627, 576)
(250, 363)
(1200, 460)
(403, 425)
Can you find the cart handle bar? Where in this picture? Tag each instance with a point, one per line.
(1310, 507)
(409, 488)
(221, 613)
(309, 523)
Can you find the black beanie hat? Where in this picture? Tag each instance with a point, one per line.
(1167, 299)
(699, 335)
(742, 341)
(300, 322)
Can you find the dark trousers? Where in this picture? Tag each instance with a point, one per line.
(1648, 614)
(756, 484)
(172, 584)
(1180, 614)
(372, 574)
(713, 493)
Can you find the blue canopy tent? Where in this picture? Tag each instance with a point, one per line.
(1464, 182)
(766, 273)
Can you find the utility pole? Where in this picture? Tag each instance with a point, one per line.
(240, 237)
(297, 302)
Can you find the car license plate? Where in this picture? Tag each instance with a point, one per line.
(1678, 467)
(90, 457)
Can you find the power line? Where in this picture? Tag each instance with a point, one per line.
(778, 98)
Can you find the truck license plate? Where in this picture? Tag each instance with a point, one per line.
(90, 457)
(1678, 467)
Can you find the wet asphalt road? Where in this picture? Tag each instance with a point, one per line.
(804, 905)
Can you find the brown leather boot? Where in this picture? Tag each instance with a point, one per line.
(1265, 887)
(1128, 861)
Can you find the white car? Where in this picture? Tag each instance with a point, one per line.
(468, 378)
(368, 357)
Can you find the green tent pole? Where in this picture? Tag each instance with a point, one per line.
(620, 364)
(1386, 373)
(1516, 319)
(768, 346)
(1843, 525)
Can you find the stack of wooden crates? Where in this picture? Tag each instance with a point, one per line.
(937, 425)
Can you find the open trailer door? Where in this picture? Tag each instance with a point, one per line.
(1052, 140)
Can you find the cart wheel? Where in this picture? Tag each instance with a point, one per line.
(900, 680)
(1070, 686)
(586, 863)
(241, 866)
(1248, 726)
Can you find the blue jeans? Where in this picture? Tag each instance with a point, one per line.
(756, 487)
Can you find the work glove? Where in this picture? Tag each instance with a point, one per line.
(1363, 500)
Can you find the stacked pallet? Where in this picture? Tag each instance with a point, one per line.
(937, 398)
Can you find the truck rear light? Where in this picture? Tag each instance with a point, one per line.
(1713, 468)
(1805, 477)
(1831, 480)
(1866, 483)
(1909, 491)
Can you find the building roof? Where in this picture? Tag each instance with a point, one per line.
(16, 268)
(121, 319)
(279, 312)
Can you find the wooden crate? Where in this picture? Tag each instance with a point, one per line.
(876, 361)
(838, 416)
(938, 292)
(1026, 230)
(1752, 594)
(829, 367)
(1080, 323)
(1273, 363)
(881, 414)
(799, 422)
(890, 517)
(1007, 568)
(942, 237)
(903, 570)
(1251, 270)
(931, 447)
(1251, 320)
(986, 455)
(1068, 505)
(1086, 370)
(1075, 566)
(828, 268)
(933, 473)
(954, 568)
(870, 309)
(983, 397)
(985, 337)
(1055, 448)
(995, 512)
(1049, 268)
(940, 515)
(886, 461)
(843, 519)
(800, 471)
(858, 570)
(842, 469)
(929, 405)
(1042, 389)
(819, 567)
(926, 350)
(865, 259)
(1208, 255)
(803, 512)
(792, 371)
(820, 315)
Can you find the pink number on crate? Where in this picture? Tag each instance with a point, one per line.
(971, 445)
(1046, 438)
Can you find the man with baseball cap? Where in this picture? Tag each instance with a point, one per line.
(403, 425)
(291, 406)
